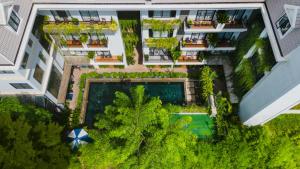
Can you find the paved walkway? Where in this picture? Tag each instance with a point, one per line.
(221, 60)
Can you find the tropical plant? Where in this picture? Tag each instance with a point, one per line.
(83, 38)
(130, 38)
(161, 25)
(29, 137)
(213, 39)
(222, 16)
(207, 77)
(91, 54)
(165, 43)
(75, 21)
(82, 27)
(224, 110)
(245, 75)
(175, 53)
(135, 132)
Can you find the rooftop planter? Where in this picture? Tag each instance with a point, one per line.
(161, 25)
(165, 43)
(79, 27)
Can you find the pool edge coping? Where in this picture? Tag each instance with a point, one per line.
(111, 80)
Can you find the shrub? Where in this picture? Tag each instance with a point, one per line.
(222, 16)
(91, 54)
(213, 39)
(146, 56)
(207, 77)
(75, 21)
(83, 38)
(175, 53)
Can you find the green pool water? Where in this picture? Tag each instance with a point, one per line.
(102, 94)
(202, 125)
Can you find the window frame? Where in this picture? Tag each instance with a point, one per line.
(13, 12)
(21, 86)
(279, 28)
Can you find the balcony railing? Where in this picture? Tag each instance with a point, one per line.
(73, 44)
(102, 43)
(235, 25)
(55, 27)
(200, 24)
(188, 59)
(195, 43)
(108, 58)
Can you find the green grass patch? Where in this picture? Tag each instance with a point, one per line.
(201, 125)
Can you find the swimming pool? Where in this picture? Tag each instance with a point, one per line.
(102, 94)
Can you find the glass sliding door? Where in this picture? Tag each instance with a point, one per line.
(205, 15)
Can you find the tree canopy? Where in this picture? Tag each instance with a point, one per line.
(135, 132)
(29, 138)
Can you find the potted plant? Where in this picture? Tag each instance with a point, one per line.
(222, 17)
(75, 21)
(146, 57)
(175, 53)
(190, 23)
(91, 54)
(83, 38)
(213, 39)
(63, 42)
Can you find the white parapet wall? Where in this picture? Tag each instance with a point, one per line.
(274, 94)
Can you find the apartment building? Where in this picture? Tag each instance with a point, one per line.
(37, 37)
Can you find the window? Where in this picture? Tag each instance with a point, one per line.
(89, 15)
(205, 15)
(105, 54)
(236, 15)
(283, 24)
(7, 72)
(42, 57)
(158, 52)
(14, 21)
(158, 34)
(225, 35)
(162, 14)
(25, 60)
(198, 36)
(30, 43)
(20, 85)
(38, 74)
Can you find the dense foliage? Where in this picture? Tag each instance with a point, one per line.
(130, 37)
(135, 132)
(165, 43)
(29, 138)
(161, 25)
(207, 77)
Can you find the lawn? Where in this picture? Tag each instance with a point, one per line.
(202, 125)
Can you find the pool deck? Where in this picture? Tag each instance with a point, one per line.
(115, 80)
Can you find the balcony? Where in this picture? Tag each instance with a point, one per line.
(194, 43)
(109, 58)
(157, 60)
(73, 44)
(203, 45)
(54, 27)
(235, 26)
(201, 24)
(100, 43)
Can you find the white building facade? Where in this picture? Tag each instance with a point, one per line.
(91, 29)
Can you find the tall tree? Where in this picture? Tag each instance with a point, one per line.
(29, 139)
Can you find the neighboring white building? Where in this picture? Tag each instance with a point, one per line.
(29, 66)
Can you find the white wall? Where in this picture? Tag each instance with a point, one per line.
(275, 93)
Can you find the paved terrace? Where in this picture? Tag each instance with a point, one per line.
(77, 72)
